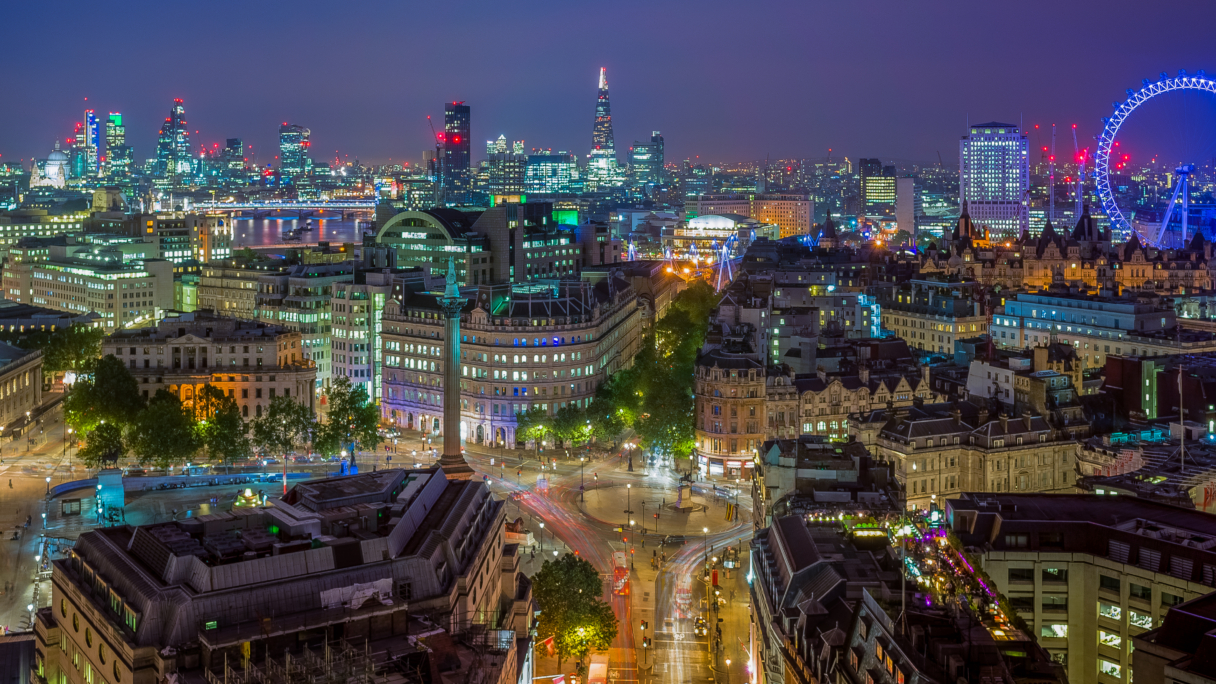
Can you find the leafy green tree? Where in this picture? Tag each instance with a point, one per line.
(74, 348)
(110, 393)
(220, 427)
(285, 425)
(533, 425)
(568, 591)
(569, 424)
(352, 420)
(163, 434)
(103, 447)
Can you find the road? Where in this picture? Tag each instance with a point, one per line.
(666, 596)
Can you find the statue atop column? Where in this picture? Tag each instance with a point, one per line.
(452, 461)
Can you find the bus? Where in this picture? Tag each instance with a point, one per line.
(620, 573)
(683, 596)
(597, 672)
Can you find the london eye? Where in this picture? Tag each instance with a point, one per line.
(1160, 223)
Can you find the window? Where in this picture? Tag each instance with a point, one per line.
(1021, 574)
(1109, 639)
(1110, 669)
(1140, 591)
(1056, 603)
(1054, 631)
(1016, 541)
(1168, 599)
(1140, 619)
(1109, 610)
(1108, 583)
(1055, 574)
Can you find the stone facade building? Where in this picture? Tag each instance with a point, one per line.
(528, 346)
(941, 450)
(249, 361)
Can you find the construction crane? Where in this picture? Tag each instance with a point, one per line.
(435, 164)
(1081, 162)
(1051, 175)
(940, 164)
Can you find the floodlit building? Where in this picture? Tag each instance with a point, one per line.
(251, 362)
(994, 178)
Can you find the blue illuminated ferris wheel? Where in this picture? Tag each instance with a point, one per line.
(1157, 234)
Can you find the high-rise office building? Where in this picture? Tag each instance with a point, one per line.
(602, 169)
(994, 178)
(646, 160)
(456, 146)
(907, 204)
(173, 145)
(498, 146)
(552, 173)
(877, 188)
(118, 154)
(89, 141)
(234, 155)
(293, 151)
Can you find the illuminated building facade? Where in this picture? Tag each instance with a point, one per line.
(877, 188)
(602, 169)
(552, 173)
(88, 143)
(792, 212)
(293, 151)
(118, 154)
(646, 160)
(173, 144)
(456, 152)
(994, 178)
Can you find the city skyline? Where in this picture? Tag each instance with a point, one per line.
(816, 64)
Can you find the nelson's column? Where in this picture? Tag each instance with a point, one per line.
(452, 462)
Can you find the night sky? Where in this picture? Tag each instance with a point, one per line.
(728, 81)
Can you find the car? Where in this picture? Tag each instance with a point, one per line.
(699, 627)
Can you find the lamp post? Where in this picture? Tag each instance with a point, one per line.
(581, 463)
(27, 439)
(542, 537)
(48, 485)
(628, 505)
(705, 541)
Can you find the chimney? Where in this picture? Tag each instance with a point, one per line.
(983, 416)
(1004, 423)
(863, 373)
(958, 416)
(1026, 418)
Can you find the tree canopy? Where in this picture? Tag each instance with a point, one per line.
(109, 393)
(163, 433)
(285, 425)
(103, 447)
(220, 428)
(351, 421)
(568, 591)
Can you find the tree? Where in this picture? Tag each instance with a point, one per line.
(103, 447)
(110, 393)
(285, 425)
(569, 424)
(74, 348)
(352, 420)
(568, 591)
(532, 425)
(220, 427)
(163, 434)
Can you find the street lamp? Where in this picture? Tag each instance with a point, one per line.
(48, 485)
(581, 463)
(705, 541)
(542, 537)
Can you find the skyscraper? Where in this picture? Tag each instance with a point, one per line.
(646, 160)
(293, 151)
(601, 134)
(456, 146)
(994, 178)
(877, 188)
(91, 144)
(602, 169)
(173, 145)
(118, 154)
